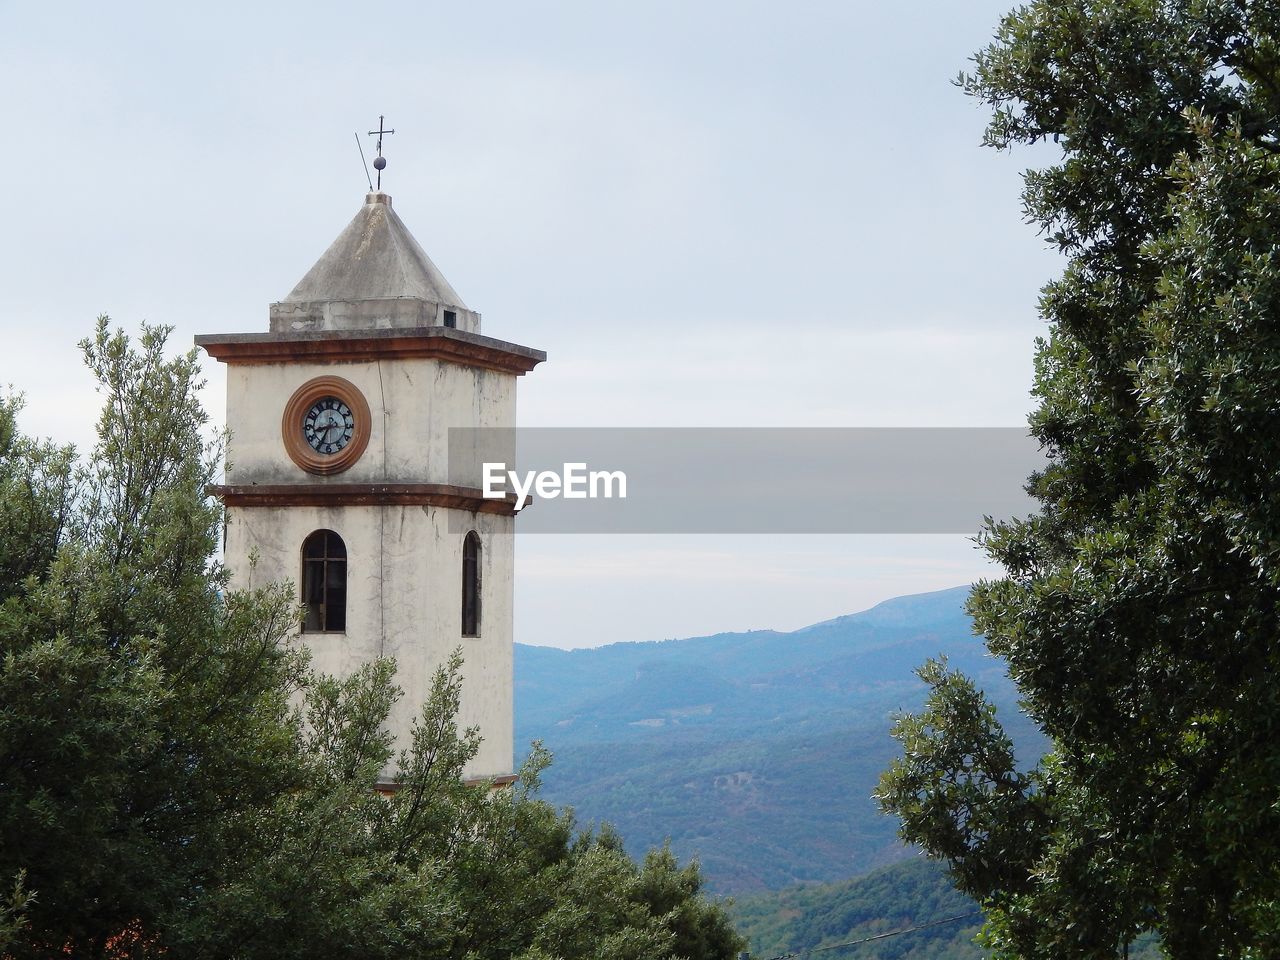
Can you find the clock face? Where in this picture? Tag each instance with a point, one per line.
(328, 425)
(325, 426)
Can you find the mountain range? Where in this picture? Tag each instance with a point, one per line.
(755, 752)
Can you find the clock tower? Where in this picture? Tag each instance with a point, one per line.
(338, 477)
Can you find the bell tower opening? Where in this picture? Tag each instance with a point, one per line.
(324, 583)
(471, 585)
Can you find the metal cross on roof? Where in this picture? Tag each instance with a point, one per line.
(380, 161)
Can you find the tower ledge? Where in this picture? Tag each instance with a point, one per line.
(348, 346)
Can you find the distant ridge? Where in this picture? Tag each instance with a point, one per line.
(918, 608)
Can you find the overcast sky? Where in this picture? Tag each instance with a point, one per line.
(712, 214)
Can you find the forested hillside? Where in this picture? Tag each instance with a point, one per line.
(907, 894)
(897, 897)
(756, 752)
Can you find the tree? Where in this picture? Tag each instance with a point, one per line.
(175, 781)
(1139, 608)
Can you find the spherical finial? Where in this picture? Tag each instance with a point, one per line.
(379, 163)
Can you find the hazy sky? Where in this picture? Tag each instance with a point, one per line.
(714, 214)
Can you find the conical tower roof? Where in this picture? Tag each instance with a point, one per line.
(374, 275)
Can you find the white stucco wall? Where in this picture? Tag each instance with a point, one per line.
(413, 404)
(404, 563)
(404, 600)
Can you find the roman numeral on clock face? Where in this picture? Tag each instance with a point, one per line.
(328, 425)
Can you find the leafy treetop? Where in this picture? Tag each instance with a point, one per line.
(1139, 607)
(176, 782)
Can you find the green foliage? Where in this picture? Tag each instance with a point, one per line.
(904, 895)
(13, 912)
(763, 813)
(1139, 611)
(35, 495)
(175, 782)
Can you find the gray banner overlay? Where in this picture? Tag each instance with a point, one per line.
(754, 480)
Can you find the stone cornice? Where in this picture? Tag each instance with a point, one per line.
(448, 495)
(357, 346)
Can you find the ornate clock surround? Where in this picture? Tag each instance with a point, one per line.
(291, 429)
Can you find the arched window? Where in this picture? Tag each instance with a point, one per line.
(471, 585)
(324, 582)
